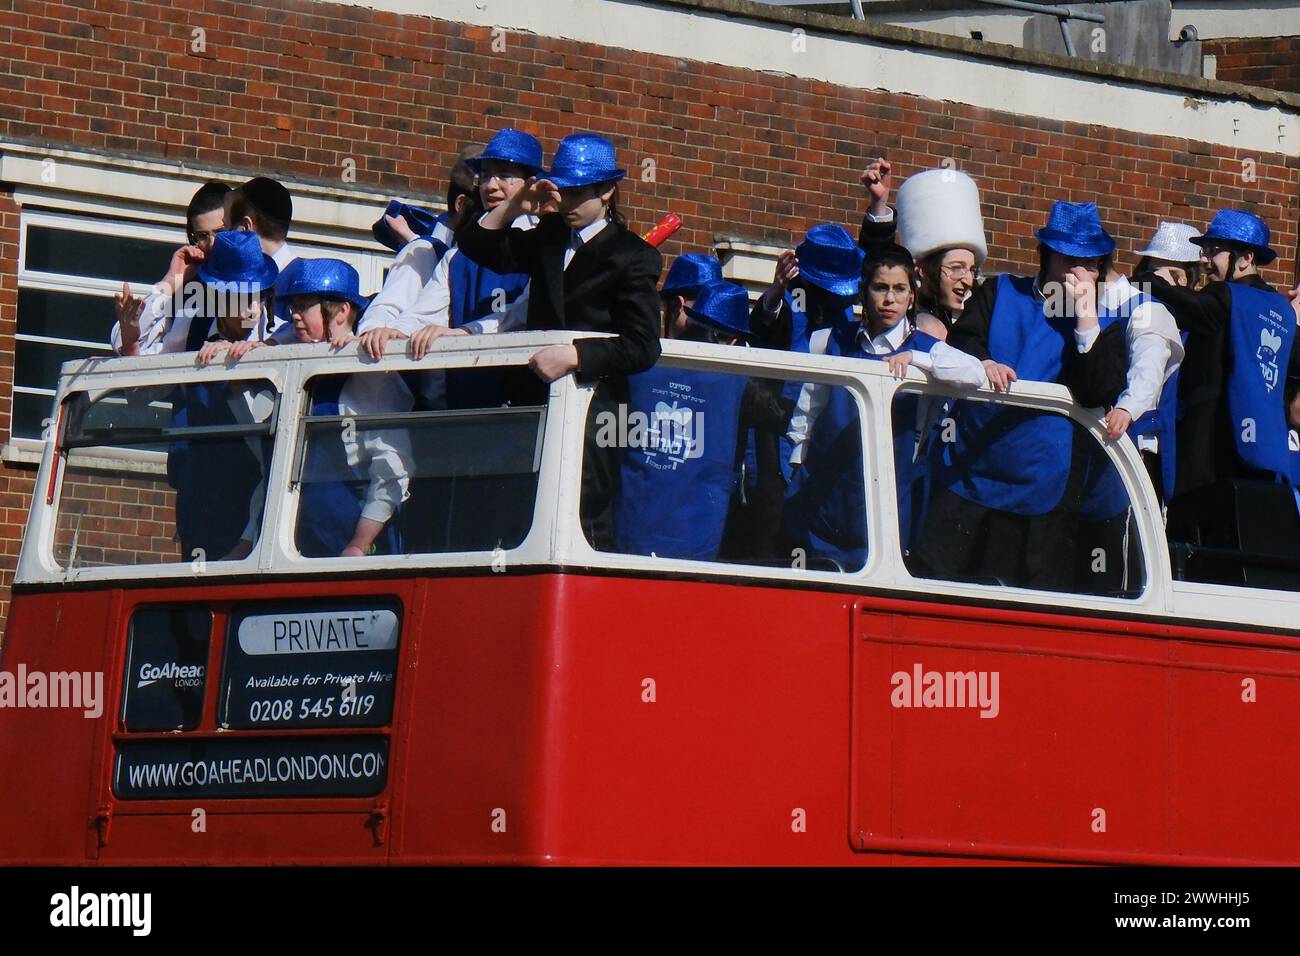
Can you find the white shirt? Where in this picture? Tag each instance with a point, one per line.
(409, 274)
(581, 237)
(432, 304)
(1155, 347)
(813, 396)
(381, 455)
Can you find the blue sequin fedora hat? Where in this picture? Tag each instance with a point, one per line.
(327, 277)
(1074, 229)
(238, 264)
(511, 146)
(831, 260)
(690, 271)
(1244, 229)
(723, 306)
(583, 159)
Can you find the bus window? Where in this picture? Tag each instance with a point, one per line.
(389, 465)
(711, 466)
(188, 478)
(994, 494)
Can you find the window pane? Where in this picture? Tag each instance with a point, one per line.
(36, 364)
(391, 467)
(30, 414)
(98, 255)
(65, 315)
(697, 465)
(201, 500)
(995, 494)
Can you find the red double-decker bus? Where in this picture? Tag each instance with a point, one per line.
(498, 689)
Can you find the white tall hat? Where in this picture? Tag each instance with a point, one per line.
(940, 209)
(1172, 242)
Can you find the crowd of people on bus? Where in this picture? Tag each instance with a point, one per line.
(1192, 356)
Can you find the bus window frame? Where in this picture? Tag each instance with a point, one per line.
(737, 360)
(84, 376)
(291, 501)
(1041, 396)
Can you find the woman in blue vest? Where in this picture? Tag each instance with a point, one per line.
(220, 482)
(1239, 383)
(676, 488)
(825, 509)
(1007, 488)
(354, 481)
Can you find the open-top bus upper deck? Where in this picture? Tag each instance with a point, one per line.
(497, 687)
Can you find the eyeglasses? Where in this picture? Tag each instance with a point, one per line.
(303, 303)
(959, 271)
(505, 179)
(207, 235)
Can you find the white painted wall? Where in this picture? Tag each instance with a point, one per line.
(1215, 19)
(874, 65)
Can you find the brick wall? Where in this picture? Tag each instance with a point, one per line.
(297, 88)
(1273, 62)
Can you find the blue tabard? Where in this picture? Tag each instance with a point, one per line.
(825, 506)
(675, 489)
(1012, 459)
(801, 329)
(475, 291)
(214, 478)
(329, 509)
(1261, 336)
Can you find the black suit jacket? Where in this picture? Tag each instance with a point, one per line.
(610, 286)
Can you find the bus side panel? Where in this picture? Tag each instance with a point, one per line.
(1236, 749)
(472, 789)
(1098, 747)
(46, 753)
(700, 723)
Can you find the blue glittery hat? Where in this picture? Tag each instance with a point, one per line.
(420, 220)
(1074, 229)
(1242, 228)
(831, 260)
(722, 305)
(237, 263)
(689, 272)
(583, 159)
(511, 146)
(327, 277)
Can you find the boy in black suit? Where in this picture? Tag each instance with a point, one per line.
(588, 273)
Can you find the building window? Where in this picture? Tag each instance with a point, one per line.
(70, 266)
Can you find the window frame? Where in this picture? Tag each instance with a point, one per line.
(142, 221)
(1156, 570)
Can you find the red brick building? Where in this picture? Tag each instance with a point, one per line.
(751, 121)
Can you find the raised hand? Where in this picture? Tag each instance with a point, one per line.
(1082, 291)
(129, 308)
(787, 270)
(878, 181)
(185, 262)
(538, 198)
(400, 228)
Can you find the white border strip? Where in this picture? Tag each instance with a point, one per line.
(864, 63)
